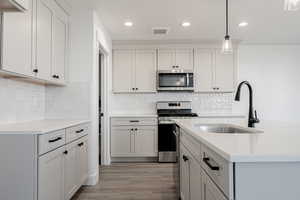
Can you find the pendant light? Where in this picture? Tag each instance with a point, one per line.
(227, 43)
(292, 5)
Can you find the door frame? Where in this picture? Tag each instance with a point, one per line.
(105, 158)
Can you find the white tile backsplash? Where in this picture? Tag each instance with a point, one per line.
(71, 102)
(203, 103)
(21, 101)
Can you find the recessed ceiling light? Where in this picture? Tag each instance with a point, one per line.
(128, 23)
(186, 24)
(243, 24)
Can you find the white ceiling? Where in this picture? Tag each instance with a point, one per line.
(268, 22)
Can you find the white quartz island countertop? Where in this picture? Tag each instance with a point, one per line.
(39, 126)
(279, 142)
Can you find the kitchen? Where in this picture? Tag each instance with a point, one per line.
(156, 70)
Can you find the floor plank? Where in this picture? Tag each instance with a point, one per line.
(134, 181)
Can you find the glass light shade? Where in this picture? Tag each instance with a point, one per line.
(292, 5)
(227, 46)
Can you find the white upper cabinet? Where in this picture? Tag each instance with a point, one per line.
(145, 70)
(123, 61)
(204, 70)
(184, 59)
(179, 59)
(52, 41)
(43, 39)
(225, 74)
(38, 38)
(60, 45)
(166, 59)
(214, 71)
(134, 71)
(16, 41)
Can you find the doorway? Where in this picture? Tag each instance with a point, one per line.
(101, 105)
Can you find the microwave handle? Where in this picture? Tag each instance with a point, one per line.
(187, 79)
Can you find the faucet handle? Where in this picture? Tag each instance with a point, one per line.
(256, 118)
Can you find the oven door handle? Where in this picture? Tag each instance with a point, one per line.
(175, 133)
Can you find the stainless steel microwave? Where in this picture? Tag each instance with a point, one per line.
(175, 80)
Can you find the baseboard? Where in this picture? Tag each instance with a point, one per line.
(133, 159)
(92, 179)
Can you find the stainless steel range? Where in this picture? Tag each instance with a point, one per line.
(168, 138)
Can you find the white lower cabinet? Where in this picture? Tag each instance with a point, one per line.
(195, 184)
(70, 176)
(210, 190)
(134, 137)
(190, 176)
(51, 175)
(134, 141)
(75, 166)
(184, 174)
(63, 171)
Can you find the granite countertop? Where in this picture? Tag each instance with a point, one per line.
(279, 142)
(39, 126)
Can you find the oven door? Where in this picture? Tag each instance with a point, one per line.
(167, 143)
(168, 80)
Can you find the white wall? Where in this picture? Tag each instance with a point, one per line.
(79, 99)
(274, 72)
(21, 101)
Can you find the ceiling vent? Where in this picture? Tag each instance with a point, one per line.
(160, 31)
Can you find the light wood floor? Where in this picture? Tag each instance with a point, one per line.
(141, 181)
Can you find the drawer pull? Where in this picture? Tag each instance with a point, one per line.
(81, 144)
(66, 152)
(134, 121)
(214, 168)
(185, 158)
(55, 140)
(80, 131)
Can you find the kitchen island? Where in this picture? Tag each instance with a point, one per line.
(261, 165)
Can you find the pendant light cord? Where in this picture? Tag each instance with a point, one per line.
(227, 18)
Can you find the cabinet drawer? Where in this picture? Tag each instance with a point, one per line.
(218, 169)
(133, 121)
(76, 132)
(191, 144)
(50, 141)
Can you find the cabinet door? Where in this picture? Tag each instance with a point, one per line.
(210, 190)
(195, 179)
(184, 59)
(166, 59)
(204, 70)
(122, 141)
(123, 76)
(82, 162)
(16, 41)
(51, 175)
(60, 39)
(44, 39)
(225, 72)
(145, 70)
(146, 141)
(184, 174)
(70, 170)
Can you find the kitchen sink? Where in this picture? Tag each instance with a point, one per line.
(226, 129)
